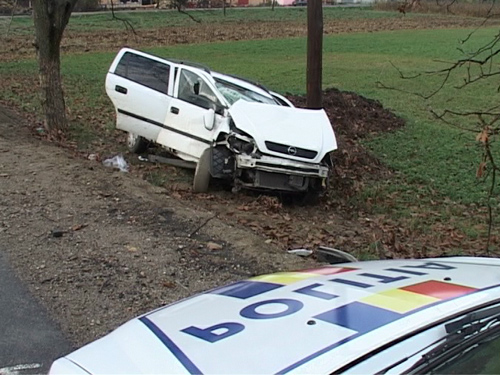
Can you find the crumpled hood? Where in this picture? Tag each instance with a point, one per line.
(300, 128)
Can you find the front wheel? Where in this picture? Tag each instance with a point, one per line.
(202, 174)
(136, 144)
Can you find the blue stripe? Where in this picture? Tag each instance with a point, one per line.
(359, 317)
(176, 351)
(246, 289)
(318, 353)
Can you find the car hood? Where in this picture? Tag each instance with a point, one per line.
(309, 321)
(299, 128)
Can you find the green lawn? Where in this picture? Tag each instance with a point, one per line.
(154, 19)
(435, 161)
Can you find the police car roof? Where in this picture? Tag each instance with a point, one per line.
(310, 321)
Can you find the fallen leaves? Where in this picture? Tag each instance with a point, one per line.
(214, 246)
(483, 136)
(77, 227)
(480, 169)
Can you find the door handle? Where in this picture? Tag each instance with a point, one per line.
(121, 89)
(174, 110)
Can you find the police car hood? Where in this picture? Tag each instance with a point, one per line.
(311, 321)
(298, 128)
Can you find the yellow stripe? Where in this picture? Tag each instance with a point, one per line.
(284, 277)
(398, 300)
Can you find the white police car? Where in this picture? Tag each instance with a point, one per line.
(399, 316)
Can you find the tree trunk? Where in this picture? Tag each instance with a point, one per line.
(314, 53)
(51, 18)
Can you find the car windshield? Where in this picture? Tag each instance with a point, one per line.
(233, 93)
(480, 358)
(470, 347)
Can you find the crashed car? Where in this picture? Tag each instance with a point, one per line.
(228, 127)
(437, 316)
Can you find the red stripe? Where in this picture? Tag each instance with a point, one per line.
(439, 289)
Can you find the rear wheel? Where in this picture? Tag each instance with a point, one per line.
(202, 173)
(136, 143)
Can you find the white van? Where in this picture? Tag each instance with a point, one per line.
(231, 128)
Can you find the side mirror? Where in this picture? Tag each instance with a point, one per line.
(209, 119)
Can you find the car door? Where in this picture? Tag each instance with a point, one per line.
(195, 95)
(139, 87)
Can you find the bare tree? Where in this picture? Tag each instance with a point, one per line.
(51, 18)
(479, 65)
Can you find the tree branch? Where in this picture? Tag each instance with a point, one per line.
(178, 6)
(14, 6)
(127, 23)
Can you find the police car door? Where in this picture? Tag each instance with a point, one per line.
(139, 87)
(194, 97)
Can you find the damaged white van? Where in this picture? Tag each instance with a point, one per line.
(230, 128)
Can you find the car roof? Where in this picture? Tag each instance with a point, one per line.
(309, 321)
(245, 83)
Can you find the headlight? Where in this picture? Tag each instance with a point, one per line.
(240, 144)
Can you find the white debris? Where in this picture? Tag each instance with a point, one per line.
(116, 162)
(300, 252)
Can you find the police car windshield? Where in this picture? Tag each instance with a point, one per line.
(471, 347)
(233, 93)
(480, 358)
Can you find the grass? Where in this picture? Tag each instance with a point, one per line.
(429, 153)
(462, 7)
(154, 19)
(434, 161)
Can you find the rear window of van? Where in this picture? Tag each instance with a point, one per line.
(150, 73)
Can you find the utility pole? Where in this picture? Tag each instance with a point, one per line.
(314, 53)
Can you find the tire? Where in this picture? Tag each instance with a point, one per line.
(311, 197)
(136, 144)
(202, 174)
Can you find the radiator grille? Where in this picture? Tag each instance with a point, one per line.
(291, 150)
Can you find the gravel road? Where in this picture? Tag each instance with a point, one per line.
(97, 246)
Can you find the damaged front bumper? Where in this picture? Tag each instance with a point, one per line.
(267, 172)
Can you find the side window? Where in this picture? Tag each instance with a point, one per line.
(193, 89)
(147, 72)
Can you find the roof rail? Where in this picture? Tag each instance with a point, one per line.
(249, 81)
(192, 64)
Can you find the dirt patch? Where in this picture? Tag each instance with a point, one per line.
(353, 118)
(21, 46)
(98, 247)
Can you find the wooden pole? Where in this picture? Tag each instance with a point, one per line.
(314, 53)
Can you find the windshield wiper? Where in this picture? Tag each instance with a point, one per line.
(462, 335)
(473, 329)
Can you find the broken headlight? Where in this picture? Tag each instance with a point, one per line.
(241, 144)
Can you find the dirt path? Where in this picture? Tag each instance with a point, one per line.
(98, 247)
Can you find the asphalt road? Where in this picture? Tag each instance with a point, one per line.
(29, 339)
